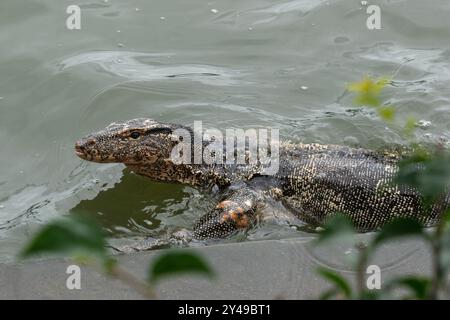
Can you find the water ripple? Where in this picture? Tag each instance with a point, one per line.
(137, 66)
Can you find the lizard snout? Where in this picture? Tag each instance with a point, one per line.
(82, 147)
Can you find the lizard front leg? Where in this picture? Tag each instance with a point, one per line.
(236, 211)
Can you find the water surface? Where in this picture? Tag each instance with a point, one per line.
(232, 64)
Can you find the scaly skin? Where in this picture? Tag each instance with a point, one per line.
(315, 181)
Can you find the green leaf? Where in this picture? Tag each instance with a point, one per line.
(370, 295)
(419, 286)
(446, 217)
(445, 241)
(176, 262)
(369, 86)
(387, 113)
(339, 282)
(410, 126)
(429, 174)
(368, 91)
(367, 100)
(72, 236)
(337, 226)
(398, 228)
(327, 295)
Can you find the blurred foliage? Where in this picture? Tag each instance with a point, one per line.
(417, 286)
(397, 229)
(337, 228)
(341, 286)
(77, 236)
(177, 262)
(368, 91)
(428, 172)
(84, 240)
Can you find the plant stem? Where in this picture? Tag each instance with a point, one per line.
(360, 271)
(436, 248)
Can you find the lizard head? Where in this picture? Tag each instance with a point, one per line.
(133, 142)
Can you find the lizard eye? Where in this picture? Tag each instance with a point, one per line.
(135, 134)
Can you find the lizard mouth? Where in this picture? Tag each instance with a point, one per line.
(88, 155)
(80, 152)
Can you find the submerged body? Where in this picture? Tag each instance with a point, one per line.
(315, 181)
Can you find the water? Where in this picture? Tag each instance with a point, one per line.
(264, 63)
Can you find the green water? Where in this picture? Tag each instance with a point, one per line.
(231, 64)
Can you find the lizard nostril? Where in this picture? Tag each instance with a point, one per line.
(90, 142)
(81, 145)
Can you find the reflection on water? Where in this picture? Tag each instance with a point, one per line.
(135, 206)
(230, 64)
